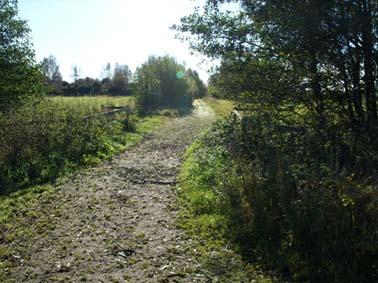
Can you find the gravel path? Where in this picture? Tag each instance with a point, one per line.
(116, 222)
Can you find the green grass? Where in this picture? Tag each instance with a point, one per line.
(44, 139)
(10, 204)
(97, 103)
(12, 208)
(143, 126)
(22, 206)
(221, 107)
(202, 217)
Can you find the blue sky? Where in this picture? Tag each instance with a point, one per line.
(90, 33)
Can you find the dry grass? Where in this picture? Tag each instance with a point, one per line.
(96, 103)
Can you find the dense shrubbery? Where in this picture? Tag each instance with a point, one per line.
(303, 187)
(163, 83)
(306, 215)
(42, 140)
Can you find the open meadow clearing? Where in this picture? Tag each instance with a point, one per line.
(96, 103)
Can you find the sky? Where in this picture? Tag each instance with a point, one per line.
(90, 33)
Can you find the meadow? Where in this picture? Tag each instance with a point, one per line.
(96, 103)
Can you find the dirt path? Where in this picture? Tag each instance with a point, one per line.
(116, 222)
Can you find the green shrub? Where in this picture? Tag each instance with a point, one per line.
(284, 198)
(42, 140)
(161, 82)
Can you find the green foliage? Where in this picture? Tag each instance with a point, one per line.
(304, 218)
(302, 75)
(205, 211)
(42, 140)
(288, 53)
(196, 87)
(161, 82)
(20, 78)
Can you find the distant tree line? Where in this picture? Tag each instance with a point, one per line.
(115, 81)
(160, 82)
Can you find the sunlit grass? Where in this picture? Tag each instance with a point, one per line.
(96, 103)
(221, 107)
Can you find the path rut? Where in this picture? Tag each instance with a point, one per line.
(117, 222)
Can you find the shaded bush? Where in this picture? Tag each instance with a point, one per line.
(287, 199)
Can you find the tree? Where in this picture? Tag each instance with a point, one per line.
(121, 79)
(20, 78)
(306, 74)
(161, 82)
(327, 47)
(200, 89)
(75, 73)
(50, 69)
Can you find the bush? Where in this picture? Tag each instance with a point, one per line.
(42, 140)
(161, 82)
(287, 200)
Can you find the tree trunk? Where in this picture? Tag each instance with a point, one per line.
(356, 78)
(317, 91)
(367, 47)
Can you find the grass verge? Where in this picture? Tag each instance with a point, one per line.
(203, 217)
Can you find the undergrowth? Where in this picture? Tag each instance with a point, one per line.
(32, 203)
(276, 211)
(43, 141)
(204, 212)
